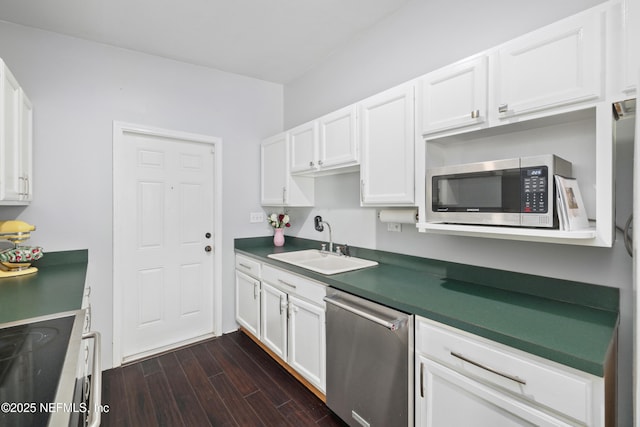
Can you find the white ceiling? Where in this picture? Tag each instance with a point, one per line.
(273, 40)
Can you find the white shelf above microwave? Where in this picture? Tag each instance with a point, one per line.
(578, 237)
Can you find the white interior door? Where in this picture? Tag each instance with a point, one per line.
(163, 241)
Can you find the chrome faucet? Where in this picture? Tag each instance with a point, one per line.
(319, 225)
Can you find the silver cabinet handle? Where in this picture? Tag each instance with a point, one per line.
(284, 195)
(88, 318)
(392, 325)
(255, 290)
(95, 400)
(319, 162)
(286, 283)
(281, 305)
(362, 190)
(421, 379)
(24, 186)
(311, 164)
(248, 267)
(486, 368)
(475, 114)
(502, 108)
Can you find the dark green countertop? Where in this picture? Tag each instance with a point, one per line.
(568, 322)
(57, 286)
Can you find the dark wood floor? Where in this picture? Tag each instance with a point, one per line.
(225, 381)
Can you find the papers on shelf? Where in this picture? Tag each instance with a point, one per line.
(571, 212)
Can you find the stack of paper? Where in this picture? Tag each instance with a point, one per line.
(571, 212)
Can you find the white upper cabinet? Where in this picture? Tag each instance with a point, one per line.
(388, 134)
(559, 78)
(454, 96)
(16, 124)
(326, 145)
(303, 142)
(557, 65)
(278, 187)
(338, 139)
(25, 162)
(274, 168)
(631, 46)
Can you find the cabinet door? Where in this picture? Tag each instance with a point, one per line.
(303, 142)
(248, 303)
(274, 170)
(26, 146)
(455, 96)
(274, 320)
(339, 138)
(388, 134)
(631, 46)
(307, 341)
(446, 398)
(10, 184)
(557, 65)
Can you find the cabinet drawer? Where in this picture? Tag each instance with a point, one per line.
(559, 388)
(248, 266)
(294, 285)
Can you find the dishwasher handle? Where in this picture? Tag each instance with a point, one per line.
(392, 325)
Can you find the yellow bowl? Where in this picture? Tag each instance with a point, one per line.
(15, 265)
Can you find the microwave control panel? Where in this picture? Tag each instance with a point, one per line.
(535, 189)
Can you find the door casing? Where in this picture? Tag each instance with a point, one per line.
(119, 128)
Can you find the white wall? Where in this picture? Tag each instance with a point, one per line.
(422, 37)
(78, 89)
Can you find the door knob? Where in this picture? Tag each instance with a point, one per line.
(207, 248)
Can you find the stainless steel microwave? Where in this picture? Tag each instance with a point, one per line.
(512, 192)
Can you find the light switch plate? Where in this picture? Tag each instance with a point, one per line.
(394, 226)
(255, 217)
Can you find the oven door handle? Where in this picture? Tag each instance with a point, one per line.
(392, 325)
(95, 399)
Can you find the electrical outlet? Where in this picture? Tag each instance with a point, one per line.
(394, 226)
(255, 217)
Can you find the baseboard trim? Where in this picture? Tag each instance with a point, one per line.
(285, 365)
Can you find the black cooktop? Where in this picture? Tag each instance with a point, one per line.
(31, 359)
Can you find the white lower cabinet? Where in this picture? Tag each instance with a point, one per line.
(273, 314)
(286, 313)
(307, 343)
(294, 330)
(463, 379)
(449, 398)
(293, 324)
(248, 302)
(248, 294)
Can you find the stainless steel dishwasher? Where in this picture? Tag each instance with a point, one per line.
(369, 362)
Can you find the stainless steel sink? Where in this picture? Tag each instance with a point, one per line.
(323, 262)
